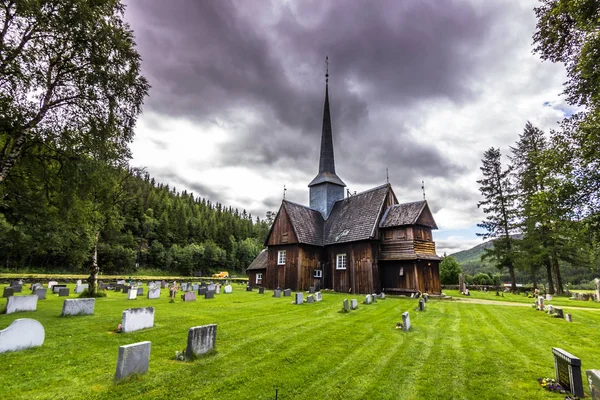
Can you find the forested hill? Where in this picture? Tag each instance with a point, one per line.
(470, 260)
(55, 210)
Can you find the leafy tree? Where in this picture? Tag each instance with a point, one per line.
(66, 68)
(449, 270)
(499, 206)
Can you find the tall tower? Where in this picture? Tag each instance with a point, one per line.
(327, 187)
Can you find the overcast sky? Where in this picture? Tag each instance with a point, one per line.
(422, 88)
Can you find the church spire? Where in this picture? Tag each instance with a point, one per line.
(326, 162)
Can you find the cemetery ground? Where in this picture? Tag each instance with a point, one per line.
(454, 350)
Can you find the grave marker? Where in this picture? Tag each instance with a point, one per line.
(312, 289)
(135, 319)
(277, 293)
(261, 290)
(593, 378)
(353, 304)
(79, 288)
(405, 321)
(202, 290)
(368, 299)
(63, 292)
(558, 312)
(201, 340)
(310, 298)
(21, 334)
(345, 306)
(421, 305)
(133, 359)
(228, 289)
(569, 318)
(568, 371)
(78, 307)
(299, 298)
(287, 292)
(41, 293)
(132, 294)
(8, 291)
(140, 291)
(382, 296)
(248, 288)
(154, 293)
(17, 288)
(21, 303)
(189, 296)
(210, 294)
(318, 296)
(52, 283)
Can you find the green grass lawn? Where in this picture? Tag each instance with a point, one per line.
(313, 351)
(559, 301)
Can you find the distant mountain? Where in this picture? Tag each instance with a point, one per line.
(470, 260)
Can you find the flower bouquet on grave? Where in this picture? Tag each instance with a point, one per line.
(551, 385)
(180, 355)
(120, 328)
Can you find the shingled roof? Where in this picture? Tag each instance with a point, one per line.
(260, 262)
(404, 214)
(355, 218)
(307, 223)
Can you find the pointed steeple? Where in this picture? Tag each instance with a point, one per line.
(327, 187)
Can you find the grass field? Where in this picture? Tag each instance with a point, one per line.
(455, 350)
(559, 301)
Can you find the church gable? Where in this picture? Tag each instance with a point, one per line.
(282, 231)
(295, 223)
(415, 213)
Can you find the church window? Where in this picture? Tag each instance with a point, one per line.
(258, 278)
(281, 257)
(340, 261)
(318, 273)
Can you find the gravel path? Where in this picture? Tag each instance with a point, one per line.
(510, 303)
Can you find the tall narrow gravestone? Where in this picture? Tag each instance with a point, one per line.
(461, 283)
(346, 307)
(421, 305)
(568, 371)
(405, 321)
(354, 304)
(299, 298)
(593, 378)
(133, 359)
(22, 334)
(201, 340)
(368, 299)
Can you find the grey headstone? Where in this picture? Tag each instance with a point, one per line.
(318, 296)
(228, 289)
(195, 286)
(210, 294)
(202, 290)
(40, 293)
(121, 282)
(405, 321)
(593, 379)
(133, 359)
(78, 307)
(569, 317)
(310, 298)
(382, 296)
(118, 288)
(217, 289)
(541, 303)
(568, 371)
(312, 289)
(261, 290)
(201, 340)
(135, 319)
(140, 291)
(412, 295)
(80, 288)
(184, 286)
(374, 298)
(21, 303)
(63, 292)
(8, 291)
(287, 292)
(154, 293)
(36, 286)
(346, 306)
(353, 304)
(189, 296)
(17, 288)
(78, 282)
(558, 312)
(421, 305)
(132, 294)
(368, 299)
(126, 288)
(212, 286)
(277, 293)
(163, 284)
(22, 334)
(248, 288)
(299, 298)
(52, 283)
(56, 288)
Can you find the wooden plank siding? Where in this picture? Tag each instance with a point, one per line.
(252, 277)
(361, 273)
(282, 276)
(310, 260)
(417, 275)
(282, 231)
(401, 243)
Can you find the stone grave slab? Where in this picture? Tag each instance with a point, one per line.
(228, 289)
(202, 290)
(52, 283)
(81, 287)
(17, 288)
(163, 284)
(568, 371)
(132, 294)
(126, 289)
(405, 321)
(287, 292)
(248, 288)
(78, 282)
(189, 296)
(184, 286)
(140, 291)
(299, 298)
(374, 298)
(195, 286)
(593, 379)
(133, 359)
(210, 294)
(368, 299)
(201, 340)
(217, 289)
(21, 303)
(421, 305)
(312, 289)
(56, 288)
(118, 288)
(382, 296)
(318, 296)
(78, 307)
(41, 293)
(135, 319)
(277, 293)
(568, 317)
(261, 290)
(8, 291)
(36, 286)
(310, 298)
(558, 312)
(211, 286)
(345, 305)
(22, 334)
(154, 293)
(353, 304)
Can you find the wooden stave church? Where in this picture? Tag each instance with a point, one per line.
(363, 243)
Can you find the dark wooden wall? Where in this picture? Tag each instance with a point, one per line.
(402, 242)
(361, 274)
(283, 276)
(252, 277)
(421, 275)
(282, 232)
(310, 259)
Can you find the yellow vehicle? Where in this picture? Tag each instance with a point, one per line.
(222, 274)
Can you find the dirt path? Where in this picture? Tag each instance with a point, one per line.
(509, 303)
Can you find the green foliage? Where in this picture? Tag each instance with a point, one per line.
(96, 294)
(449, 271)
(482, 279)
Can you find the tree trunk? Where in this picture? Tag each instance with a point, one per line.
(93, 279)
(513, 279)
(9, 160)
(534, 280)
(549, 275)
(556, 270)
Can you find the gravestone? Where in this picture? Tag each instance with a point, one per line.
(299, 298)
(79, 288)
(56, 288)
(189, 296)
(52, 283)
(201, 340)
(132, 294)
(368, 299)
(78, 307)
(541, 303)
(248, 288)
(261, 290)
(312, 289)
(163, 284)
(318, 296)
(374, 298)
(17, 288)
(41, 293)
(558, 312)
(8, 291)
(569, 318)
(412, 295)
(218, 289)
(36, 286)
(195, 286)
(597, 281)
(121, 282)
(405, 321)
(228, 289)
(461, 283)
(133, 359)
(353, 304)
(549, 297)
(211, 286)
(21, 303)
(421, 305)
(154, 293)
(382, 296)
(287, 292)
(126, 289)
(21, 334)
(184, 286)
(550, 309)
(310, 298)
(593, 379)
(140, 291)
(210, 294)
(135, 319)
(118, 288)
(568, 371)
(63, 291)
(277, 293)
(202, 290)
(17, 283)
(346, 306)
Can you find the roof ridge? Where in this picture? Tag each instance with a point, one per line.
(365, 192)
(300, 205)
